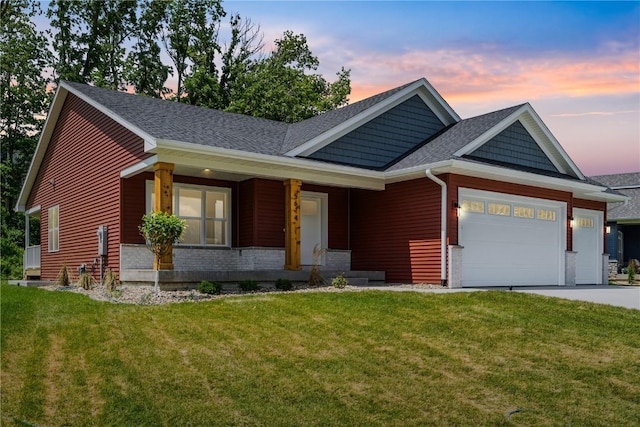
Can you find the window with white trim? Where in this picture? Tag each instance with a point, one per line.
(206, 211)
(54, 228)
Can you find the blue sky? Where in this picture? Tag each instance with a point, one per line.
(577, 63)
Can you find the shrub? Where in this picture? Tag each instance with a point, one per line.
(211, 288)
(339, 281)
(315, 278)
(110, 280)
(249, 286)
(85, 281)
(63, 276)
(631, 273)
(284, 284)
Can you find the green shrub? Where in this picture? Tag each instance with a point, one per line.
(339, 281)
(211, 288)
(284, 284)
(85, 281)
(63, 276)
(249, 286)
(631, 274)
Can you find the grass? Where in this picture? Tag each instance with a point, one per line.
(357, 359)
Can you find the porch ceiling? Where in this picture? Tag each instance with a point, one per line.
(220, 166)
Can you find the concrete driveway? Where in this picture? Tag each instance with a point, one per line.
(620, 296)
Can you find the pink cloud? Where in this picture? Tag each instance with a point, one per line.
(463, 76)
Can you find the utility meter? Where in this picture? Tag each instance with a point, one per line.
(103, 241)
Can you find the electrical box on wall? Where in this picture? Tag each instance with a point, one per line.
(103, 240)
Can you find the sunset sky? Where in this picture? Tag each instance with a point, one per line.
(577, 63)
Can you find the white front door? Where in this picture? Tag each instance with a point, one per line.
(587, 243)
(313, 226)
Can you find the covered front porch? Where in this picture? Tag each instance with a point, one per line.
(192, 264)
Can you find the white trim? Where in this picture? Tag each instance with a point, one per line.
(115, 117)
(139, 167)
(556, 152)
(579, 189)
(437, 104)
(33, 210)
(443, 225)
(56, 247)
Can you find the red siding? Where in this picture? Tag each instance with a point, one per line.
(84, 158)
(398, 230)
(261, 213)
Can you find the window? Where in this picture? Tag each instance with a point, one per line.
(499, 209)
(472, 206)
(546, 215)
(206, 211)
(54, 229)
(584, 222)
(523, 212)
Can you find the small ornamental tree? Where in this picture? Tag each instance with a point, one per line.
(161, 230)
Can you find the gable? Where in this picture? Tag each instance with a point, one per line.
(385, 138)
(514, 146)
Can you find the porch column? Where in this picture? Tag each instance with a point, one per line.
(292, 225)
(163, 190)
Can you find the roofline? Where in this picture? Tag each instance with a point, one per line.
(250, 160)
(41, 147)
(510, 119)
(55, 108)
(579, 189)
(375, 110)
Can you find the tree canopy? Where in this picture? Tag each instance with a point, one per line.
(188, 51)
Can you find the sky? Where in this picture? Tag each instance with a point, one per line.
(576, 63)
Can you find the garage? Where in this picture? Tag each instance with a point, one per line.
(510, 240)
(588, 246)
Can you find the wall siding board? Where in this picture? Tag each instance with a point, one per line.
(515, 145)
(385, 138)
(398, 230)
(85, 155)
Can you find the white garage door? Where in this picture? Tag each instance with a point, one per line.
(511, 240)
(587, 243)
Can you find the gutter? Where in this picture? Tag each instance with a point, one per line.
(443, 228)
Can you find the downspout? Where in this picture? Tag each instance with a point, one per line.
(443, 228)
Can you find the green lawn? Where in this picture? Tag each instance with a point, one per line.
(303, 359)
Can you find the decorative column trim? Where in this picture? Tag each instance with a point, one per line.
(163, 189)
(292, 225)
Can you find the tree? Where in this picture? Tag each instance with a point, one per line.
(89, 40)
(282, 87)
(144, 68)
(161, 230)
(23, 105)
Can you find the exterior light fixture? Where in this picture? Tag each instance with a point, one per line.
(457, 208)
(608, 228)
(571, 221)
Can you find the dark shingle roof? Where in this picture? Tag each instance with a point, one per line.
(301, 132)
(187, 123)
(619, 180)
(622, 184)
(457, 136)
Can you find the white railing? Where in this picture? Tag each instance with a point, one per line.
(32, 257)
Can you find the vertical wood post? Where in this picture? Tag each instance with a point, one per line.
(292, 225)
(163, 190)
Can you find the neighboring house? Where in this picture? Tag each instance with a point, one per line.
(623, 219)
(396, 183)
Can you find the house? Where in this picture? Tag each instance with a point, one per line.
(623, 218)
(395, 187)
